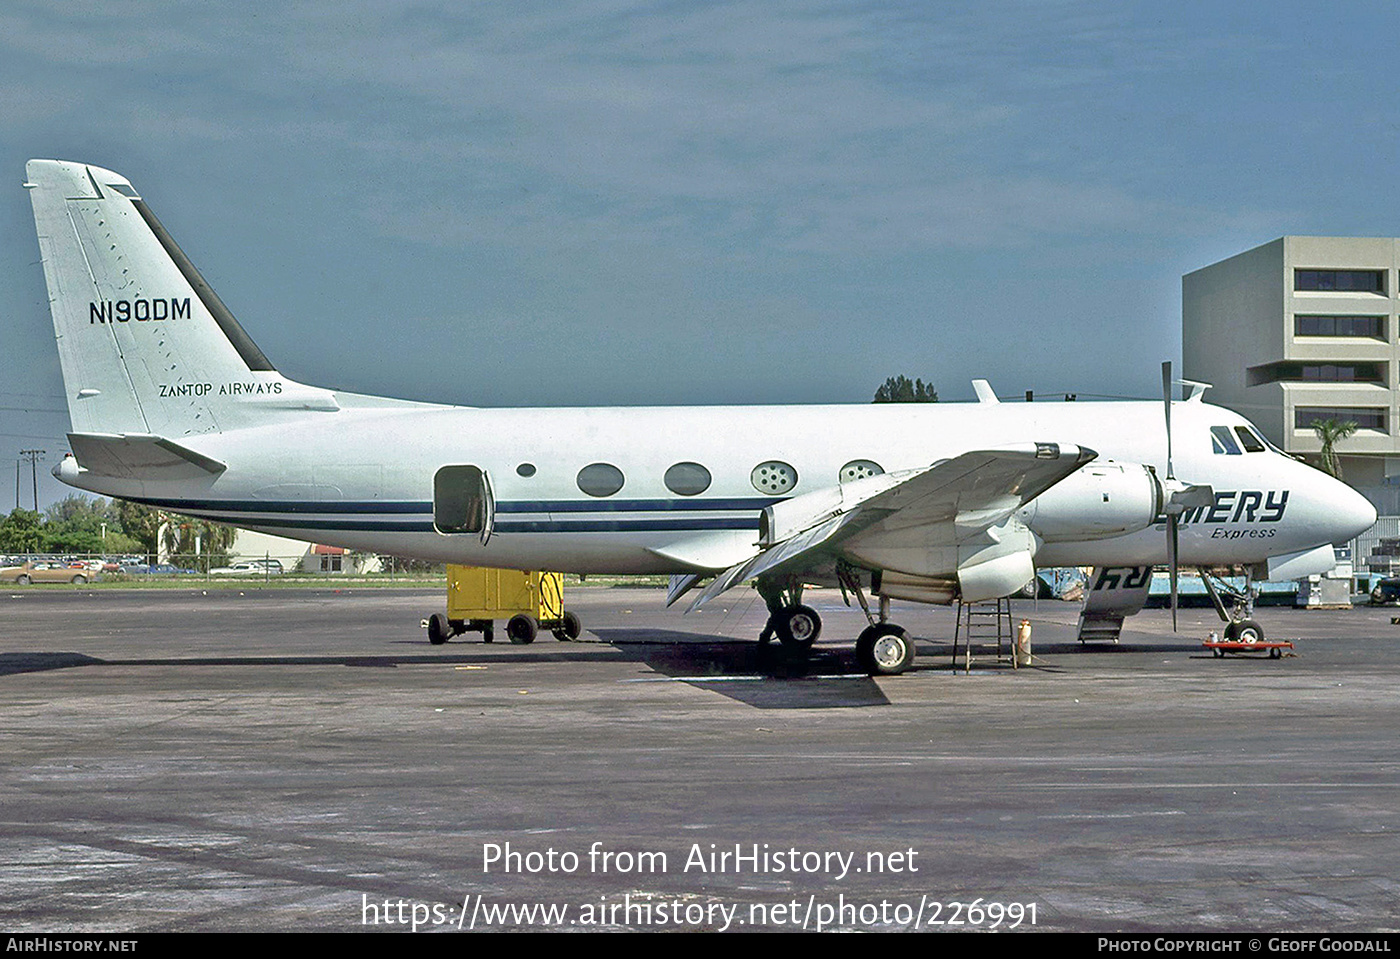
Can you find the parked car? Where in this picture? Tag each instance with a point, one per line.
(253, 568)
(155, 569)
(1386, 592)
(27, 573)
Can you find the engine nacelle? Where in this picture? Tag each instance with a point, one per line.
(1100, 501)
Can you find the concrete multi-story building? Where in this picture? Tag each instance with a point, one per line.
(1300, 330)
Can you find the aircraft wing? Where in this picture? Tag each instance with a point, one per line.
(945, 504)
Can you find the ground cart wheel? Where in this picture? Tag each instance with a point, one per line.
(570, 627)
(438, 630)
(522, 629)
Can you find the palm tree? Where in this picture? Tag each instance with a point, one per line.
(1330, 432)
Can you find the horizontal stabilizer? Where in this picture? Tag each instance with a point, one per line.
(140, 456)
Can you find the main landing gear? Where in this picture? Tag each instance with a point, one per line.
(882, 649)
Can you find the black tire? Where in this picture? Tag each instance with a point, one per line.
(798, 627)
(438, 630)
(569, 629)
(1275, 653)
(1219, 653)
(885, 650)
(1245, 631)
(23, 580)
(78, 580)
(522, 629)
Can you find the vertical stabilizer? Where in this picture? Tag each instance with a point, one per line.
(145, 345)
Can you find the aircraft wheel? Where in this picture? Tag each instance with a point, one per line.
(798, 627)
(885, 650)
(438, 630)
(522, 629)
(23, 580)
(1245, 631)
(570, 627)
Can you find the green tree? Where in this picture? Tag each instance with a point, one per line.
(181, 533)
(22, 532)
(77, 524)
(141, 523)
(900, 389)
(1330, 432)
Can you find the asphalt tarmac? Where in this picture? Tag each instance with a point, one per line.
(306, 760)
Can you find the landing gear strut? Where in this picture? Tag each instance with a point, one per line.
(883, 648)
(796, 626)
(1240, 626)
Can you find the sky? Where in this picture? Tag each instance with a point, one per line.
(631, 203)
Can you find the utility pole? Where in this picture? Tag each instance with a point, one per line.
(33, 475)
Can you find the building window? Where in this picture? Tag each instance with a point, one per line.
(1365, 417)
(1372, 327)
(1347, 281)
(1293, 372)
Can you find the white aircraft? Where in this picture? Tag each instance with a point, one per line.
(173, 405)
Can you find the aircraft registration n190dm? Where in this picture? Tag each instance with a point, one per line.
(173, 405)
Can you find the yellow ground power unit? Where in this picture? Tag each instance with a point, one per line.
(527, 601)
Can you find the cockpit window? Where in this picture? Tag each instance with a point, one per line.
(1251, 443)
(1222, 441)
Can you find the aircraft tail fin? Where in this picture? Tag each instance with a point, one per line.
(145, 344)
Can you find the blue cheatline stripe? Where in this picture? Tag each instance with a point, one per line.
(558, 526)
(425, 507)
(284, 506)
(631, 505)
(693, 524)
(625, 525)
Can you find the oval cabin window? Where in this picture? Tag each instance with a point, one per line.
(600, 479)
(687, 479)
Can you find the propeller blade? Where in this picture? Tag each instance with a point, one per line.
(1167, 408)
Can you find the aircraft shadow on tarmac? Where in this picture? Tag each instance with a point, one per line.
(765, 677)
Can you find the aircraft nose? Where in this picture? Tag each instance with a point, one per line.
(1353, 513)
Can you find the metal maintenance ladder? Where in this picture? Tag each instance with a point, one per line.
(983, 624)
